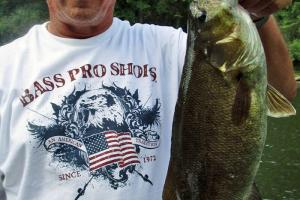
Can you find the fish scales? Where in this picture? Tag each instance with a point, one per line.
(217, 143)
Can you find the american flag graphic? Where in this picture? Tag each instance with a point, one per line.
(110, 147)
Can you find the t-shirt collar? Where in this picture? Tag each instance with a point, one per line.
(80, 42)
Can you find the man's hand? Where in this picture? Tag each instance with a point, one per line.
(260, 8)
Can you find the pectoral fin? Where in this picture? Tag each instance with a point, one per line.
(278, 105)
(241, 106)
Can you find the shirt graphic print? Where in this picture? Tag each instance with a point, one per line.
(100, 130)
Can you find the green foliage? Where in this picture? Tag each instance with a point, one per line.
(161, 12)
(16, 17)
(6, 6)
(295, 48)
(17, 23)
(289, 21)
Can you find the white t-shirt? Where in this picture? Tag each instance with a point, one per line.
(88, 118)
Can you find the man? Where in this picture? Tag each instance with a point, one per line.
(87, 102)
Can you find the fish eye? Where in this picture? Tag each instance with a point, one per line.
(202, 16)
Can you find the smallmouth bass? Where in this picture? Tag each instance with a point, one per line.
(220, 121)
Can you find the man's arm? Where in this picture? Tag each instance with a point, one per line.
(280, 66)
(260, 8)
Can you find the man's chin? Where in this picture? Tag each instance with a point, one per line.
(84, 21)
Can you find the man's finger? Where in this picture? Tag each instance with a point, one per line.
(260, 8)
(263, 4)
(272, 8)
(282, 3)
(248, 3)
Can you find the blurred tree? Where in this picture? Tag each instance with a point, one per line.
(289, 21)
(161, 12)
(17, 16)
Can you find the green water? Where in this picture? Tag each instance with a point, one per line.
(279, 174)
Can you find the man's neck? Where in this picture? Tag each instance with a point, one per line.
(77, 32)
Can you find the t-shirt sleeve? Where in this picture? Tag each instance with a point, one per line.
(176, 50)
(179, 48)
(2, 87)
(2, 194)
